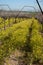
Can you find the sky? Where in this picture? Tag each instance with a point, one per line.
(19, 4)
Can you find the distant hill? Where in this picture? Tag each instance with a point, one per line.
(4, 13)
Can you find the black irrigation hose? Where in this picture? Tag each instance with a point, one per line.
(39, 6)
(41, 12)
